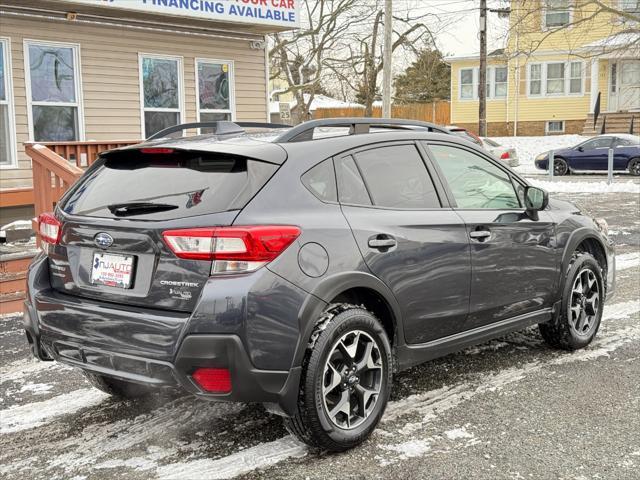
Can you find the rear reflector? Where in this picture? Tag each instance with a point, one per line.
(233, 249)
(504, 156)
(214, 380)
(49, 228)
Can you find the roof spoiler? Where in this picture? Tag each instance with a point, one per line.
(221, 127)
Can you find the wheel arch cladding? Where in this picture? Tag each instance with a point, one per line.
(596, 249)
(358, 288)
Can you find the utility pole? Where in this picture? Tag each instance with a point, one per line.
(386, 61)
(482, 77)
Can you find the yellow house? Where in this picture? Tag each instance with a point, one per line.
(564, 60)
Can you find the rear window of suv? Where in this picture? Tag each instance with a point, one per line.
(165, 186)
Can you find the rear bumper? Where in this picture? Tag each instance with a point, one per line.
(249, 384)
(151, 347)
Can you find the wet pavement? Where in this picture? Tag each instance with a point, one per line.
(511, 408)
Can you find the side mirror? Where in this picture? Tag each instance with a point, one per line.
(580, 149)
(535, 199)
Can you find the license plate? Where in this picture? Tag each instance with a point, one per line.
(112, 270)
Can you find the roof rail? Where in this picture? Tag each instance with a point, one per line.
(357, 125)
(220, 127)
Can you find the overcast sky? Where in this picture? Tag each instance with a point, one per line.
(462, 19)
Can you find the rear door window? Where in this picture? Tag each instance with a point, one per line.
(166, 186)
(396, 177)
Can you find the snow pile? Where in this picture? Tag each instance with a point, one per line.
(528, 148)
(587, 187)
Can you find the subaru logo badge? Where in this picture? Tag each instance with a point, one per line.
(103, 240)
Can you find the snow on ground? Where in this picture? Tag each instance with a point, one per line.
(33, 415)
(586, 187)
(529, 147)
(627, 260)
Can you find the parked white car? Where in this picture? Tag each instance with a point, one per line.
(507, 155)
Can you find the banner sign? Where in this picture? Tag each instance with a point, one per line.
(281, 13)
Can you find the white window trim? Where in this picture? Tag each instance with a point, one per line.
(491, 77)
(77, 76)
(621, 5)
(474, 84)
(5, 44)
(232, 89)
(181, 93)
(546, 79)
(567, 79)
(546, 127)
(546, 28)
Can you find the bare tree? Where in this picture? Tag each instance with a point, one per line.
(300, 57)
(363, 62)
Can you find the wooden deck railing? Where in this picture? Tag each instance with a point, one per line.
(57, 165)
(83, 154)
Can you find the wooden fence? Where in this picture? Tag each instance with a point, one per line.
(436, 112)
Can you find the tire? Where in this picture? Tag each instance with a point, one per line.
(322, 420)
(118, 388)
(560, 167)
(634, 166)
(581, 310)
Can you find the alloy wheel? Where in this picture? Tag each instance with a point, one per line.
(352, 379)
(584, 302)
(634, 168)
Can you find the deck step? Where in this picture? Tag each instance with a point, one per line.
(11, 302)
(13, 282)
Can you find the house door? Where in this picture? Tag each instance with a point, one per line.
(629, 93)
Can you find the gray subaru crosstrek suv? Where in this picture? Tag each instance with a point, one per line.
(300, 268)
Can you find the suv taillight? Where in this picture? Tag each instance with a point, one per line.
(49, 228)
(232, 249)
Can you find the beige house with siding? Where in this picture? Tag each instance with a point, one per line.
(80, 70)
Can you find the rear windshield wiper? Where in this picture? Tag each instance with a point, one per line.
(139, 208)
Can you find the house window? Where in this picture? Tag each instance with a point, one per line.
(555, 126)
(496, 86)
(215, 91)
(575, 77)
(535, 79)
(53, 92)
(557, 13)
(500, 82)
(632, 6)
(7, 137)
(161, 87)
(467, 90)
(555, 79)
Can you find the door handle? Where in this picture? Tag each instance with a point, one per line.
(382, 242)
(480, 234)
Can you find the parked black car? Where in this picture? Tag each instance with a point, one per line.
(302, 272)
(593, 154)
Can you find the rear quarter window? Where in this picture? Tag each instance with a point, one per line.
(192, 183)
